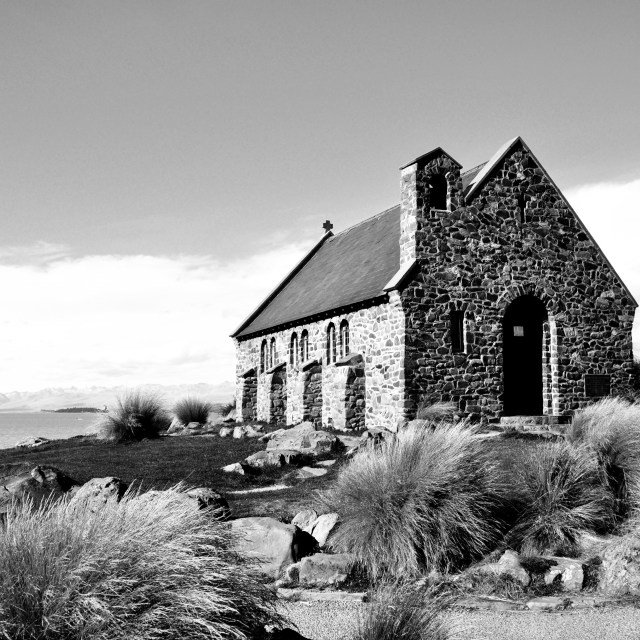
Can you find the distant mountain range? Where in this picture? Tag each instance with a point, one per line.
(59, 398)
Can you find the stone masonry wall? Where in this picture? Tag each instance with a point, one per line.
(478, 259)
(376, 332)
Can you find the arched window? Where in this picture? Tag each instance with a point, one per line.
(344, 339)
(457, 331)
(264, 359)
(293, 350)
(331, 343)
(438, 191)
(304, 346)
(272, 354)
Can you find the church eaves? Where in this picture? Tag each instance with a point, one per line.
(345, 269)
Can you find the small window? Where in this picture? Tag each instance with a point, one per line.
(344, 339)
(272, 354)
(438, 192)
(304, 346)
(263, 357)
(331, 343)
(522, 204)
(293, 350)
(457, 331)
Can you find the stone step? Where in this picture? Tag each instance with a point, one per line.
(534, 422)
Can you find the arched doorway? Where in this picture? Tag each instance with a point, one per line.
(522, 330)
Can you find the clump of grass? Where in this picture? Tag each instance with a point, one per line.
(424, 500)
(141, 568)
(192, 410)
(561, 496)
(136, 416)
(436, 411)
(407, 612)
(610, 428)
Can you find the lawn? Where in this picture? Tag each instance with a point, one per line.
(196, 460)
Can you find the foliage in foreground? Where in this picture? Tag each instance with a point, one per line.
(407, 612)
(610, 428)
(136, 416)
(192, 410)
(425, 500)
(436, 411)
(147, 567)
(562, 496)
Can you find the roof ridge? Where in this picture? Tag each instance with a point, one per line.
(357, 224)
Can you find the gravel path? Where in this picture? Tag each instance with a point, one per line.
(335, 620)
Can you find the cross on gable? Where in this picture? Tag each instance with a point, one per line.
(327, 226)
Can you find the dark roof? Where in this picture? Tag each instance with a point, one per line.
(468, 176)
(348, 268)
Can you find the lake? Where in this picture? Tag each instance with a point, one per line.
(16, 426)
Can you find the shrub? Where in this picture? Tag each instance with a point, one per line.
(561, 496)
(410, 613)
(192, 410)
(426, 499)
(142, 568)
(135, 416)
(610, 428)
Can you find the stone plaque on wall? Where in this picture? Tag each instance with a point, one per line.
(596, 385)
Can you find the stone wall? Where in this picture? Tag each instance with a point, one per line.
(334, 396)
(480, 257)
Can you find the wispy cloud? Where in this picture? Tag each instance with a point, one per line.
(127, 319)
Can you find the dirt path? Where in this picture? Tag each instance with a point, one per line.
(337, 621)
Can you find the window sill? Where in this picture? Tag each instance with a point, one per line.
(307, 364)
(276, 367)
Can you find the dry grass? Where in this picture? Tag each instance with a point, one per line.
(192, 410)
(145, 568)
(428, 499)
(136, 416)
(562, 496)
(436, 411)
(409, 613)
(610, 428)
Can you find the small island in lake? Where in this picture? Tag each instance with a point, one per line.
(76, 410)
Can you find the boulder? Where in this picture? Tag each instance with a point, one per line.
(32, 442)
(509, 564)
(262, 459)
(620, 569)
(241, 468)
(320, 570)
(225, 431)
(21, 479)
(98, 491)
(303, 438)
(311, 472)
(272, 543)
(570, 571)
(244, 431)
(175, 427)
(323, 526)
(305, 519)
(207, 498)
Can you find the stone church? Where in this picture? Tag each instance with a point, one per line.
(482, 287)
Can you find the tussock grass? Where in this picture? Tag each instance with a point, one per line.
(407, 612)
(436, 411)
(192, 410)
(610, 428)
(561, 496)
(424, 500)
(136, 416)
(145, 568)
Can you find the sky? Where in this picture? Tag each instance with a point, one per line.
(163, 164)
